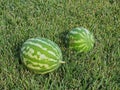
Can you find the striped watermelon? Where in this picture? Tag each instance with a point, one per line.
(80, 39)
(41, 55)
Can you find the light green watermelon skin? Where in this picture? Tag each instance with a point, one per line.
(80, 39)
(41, 55)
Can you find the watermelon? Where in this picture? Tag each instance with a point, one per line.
(41, 55)
(80, 39)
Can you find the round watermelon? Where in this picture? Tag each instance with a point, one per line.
(80, 39)
(41, 55)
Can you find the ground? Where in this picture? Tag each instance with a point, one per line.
(98, 69)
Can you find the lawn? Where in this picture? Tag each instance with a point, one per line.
(98, 69)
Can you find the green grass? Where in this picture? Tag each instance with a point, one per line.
(98, 69)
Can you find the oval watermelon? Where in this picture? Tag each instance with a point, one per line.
(80, 39)
(41, 55)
